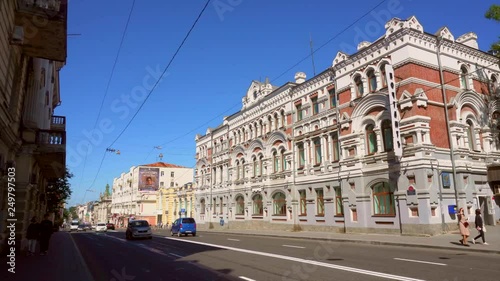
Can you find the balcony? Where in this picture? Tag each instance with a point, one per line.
(51, 152)
(58, 123)
(41, 28)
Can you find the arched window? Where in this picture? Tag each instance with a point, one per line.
(383, 199)
(372, 81)
(279, 204)
(359, 86)
(302, 155)
(387, 135)
(463, 77)
(238, 171)
(335, 143)
(240, 205)
(317, 151)
(242, 164)
(256, 167)
(257, 205)
(283, 160)
(276, 161)
(202, 206)
(470, 134)
(371, 139)
(382, 75)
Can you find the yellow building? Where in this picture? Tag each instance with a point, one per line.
(175, 202)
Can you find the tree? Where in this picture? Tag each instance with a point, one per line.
(73, 213)
(493, 13)
(58, 191)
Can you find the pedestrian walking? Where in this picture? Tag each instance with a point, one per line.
(46, 229)
(480, 227)
(32, 234)
(464, 227)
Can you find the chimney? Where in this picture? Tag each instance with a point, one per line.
(300, 77)
(469, 39)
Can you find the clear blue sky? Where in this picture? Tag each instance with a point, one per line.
(230, 47)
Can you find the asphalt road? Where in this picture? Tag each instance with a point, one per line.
(216, 256)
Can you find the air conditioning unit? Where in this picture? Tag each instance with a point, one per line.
(17, 36)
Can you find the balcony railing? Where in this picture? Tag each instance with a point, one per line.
(58, 123)
(49, 7)
(41, 28)
(50, 137)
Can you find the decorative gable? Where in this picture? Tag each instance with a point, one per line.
(396, 24)
(421, 97)
(445, 33)
(340, 57)
(405, 100)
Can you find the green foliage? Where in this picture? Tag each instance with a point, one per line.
(493, 13)
(73, 213)
(58, 191)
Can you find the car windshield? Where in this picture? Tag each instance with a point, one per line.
(188, 220)
(101, 224)
(139, 223)
(74, 223)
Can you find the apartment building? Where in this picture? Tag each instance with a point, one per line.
(329, 153)
(135, 193)
(32, 140)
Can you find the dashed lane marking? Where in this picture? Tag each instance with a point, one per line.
(426, 262)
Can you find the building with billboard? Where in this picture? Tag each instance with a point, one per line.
(134, 194)
(359, 148)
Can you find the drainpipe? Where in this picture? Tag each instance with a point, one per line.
(445, 102)
(335, 94)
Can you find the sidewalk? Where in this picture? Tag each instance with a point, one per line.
(445, 241)
(63, 262)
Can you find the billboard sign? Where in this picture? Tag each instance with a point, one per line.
(149, 179)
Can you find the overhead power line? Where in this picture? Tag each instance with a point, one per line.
(154, 87)
(107, 86)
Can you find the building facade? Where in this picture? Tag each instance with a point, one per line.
(329, 154)
(131, 198)
(32, 140)
(175, 202)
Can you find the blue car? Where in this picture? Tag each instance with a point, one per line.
(183, 226)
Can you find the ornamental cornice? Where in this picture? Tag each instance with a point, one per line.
(313, 82)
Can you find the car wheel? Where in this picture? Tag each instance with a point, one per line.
(179, 234)
(194, 233)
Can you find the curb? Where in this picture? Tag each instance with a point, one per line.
(355, 241)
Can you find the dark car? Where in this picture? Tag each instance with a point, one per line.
(138, 229)
(110, 226)
(183, 226)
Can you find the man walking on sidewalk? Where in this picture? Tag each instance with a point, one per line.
(46, 228)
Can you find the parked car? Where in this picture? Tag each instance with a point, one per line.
(81, 227)
(101, 227)
(74, 225)
(138, 229)
(183, 226)
(110, 226)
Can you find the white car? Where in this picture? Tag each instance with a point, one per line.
(101, 227)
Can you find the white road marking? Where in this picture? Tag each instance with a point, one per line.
(323, 264)
(292, 246)
(176, 255)
(231, 239)
(246, 278)
(427, 262)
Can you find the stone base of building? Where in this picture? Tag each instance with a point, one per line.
(407, 229)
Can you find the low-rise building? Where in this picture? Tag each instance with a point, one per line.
(134, 193)
(175, 202)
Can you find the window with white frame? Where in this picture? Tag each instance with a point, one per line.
(463, 78)
(359, 86)
(371, 139)
(240, 205)
(257, 205)
(303, 202)
(470, 134)
(372, 80)
(317, 151)
(302, 155)
(320, 202)
(279, 204)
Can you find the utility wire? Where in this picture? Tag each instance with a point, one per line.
(290, 68)
(164, 71)
(154, 87)
(107, 86)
